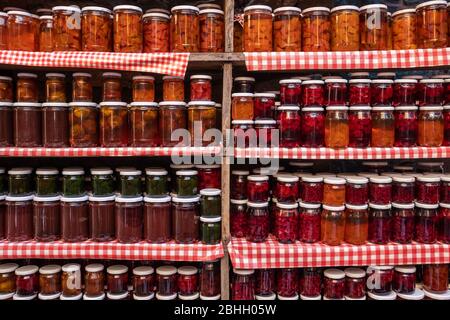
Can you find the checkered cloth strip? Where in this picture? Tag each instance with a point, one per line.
(271, 254)
(350, 60)
(347, 153)
(169, 63)
(110, 250)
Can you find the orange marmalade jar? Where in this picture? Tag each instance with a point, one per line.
(316, 29)
(432, 24)
(212, 30)
(27, 87)
(336, 127)
(21, 31)
(173, 88)
(96, 27)
(55, 87)
(66, 28)
(287, 29)
(46, 34)
(404, 32)
(373, 27)
(431, 126)
(242, 106)
(257, 28)
(334, 191)
(82, 87)
(201, 117)
(156, 28)
(143, 89)
(3, 31)
(383, 127)
(184, 29)
(127, 28)
(345, 28)
(112, 87)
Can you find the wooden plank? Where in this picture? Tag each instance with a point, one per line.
(229, 21)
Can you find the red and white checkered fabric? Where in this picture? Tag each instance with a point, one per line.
(110, 251)
(171, 63)
(350, 60)
(347, 153)
(271, 254)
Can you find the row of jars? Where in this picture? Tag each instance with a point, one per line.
(71, 282)
(377, 282)
(344, 28)
(124, 29)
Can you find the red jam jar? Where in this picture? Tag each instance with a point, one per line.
(264, 282)
(357, 190)
(257, 188)
(313, 93)
(402, 222)
(288, 119)
(428, 189)
(311, 189)
(286, 189)
(74, 219)
(264, 129)
(309, 222)
(380, 190)
(263, 105)
(6, 123)
(185, 219)
(287, 282)
(243, 284)
(143, 283)
(157, 219)
(446, 141)
(431, 92)
(201, 88)
(166, 280)
(209, 176)
(406, 126)
(335, 92)
(187, 280)
(286, 222)
(312, 127)
(360, 126)
(19, 218)
(27, 124)
(27, 280)
(379, 279)
(404, 279)
(445, 189)
(435, 278)
(243, 133)
(129, 219)
(238, 218)
(405, 92)
(102, 218)
(426, 223)
(382, 92)
(46, 216)
(355, 283)
(403, 189)
(257, 221)
(117, 279)
(310, 283)
(239, 184)
(334, 284)
(290, 92)
(359, 92)
(447, 90)
(210, 280)
(380, 222)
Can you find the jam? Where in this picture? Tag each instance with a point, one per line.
(374, 35)
(311, 189)
(243, 285)
(19, 218)
(83, 121)
(432, 24)
(71, 280)
(21, 31)
(184, 26)
(50, 280)
(380, 190)
(73, 182)
(143, 88)
(430, 92)
(335, 92)
(406, 126)
(201, 118)
(383, 127)
(130, 183)
(96, 29)
(238, 218)
(94, 280)
(336, 127)
(82, 87)
(430, 127)
(286, 189)
(210, 202)
(210, 230)
(426, 223)
(46, 182)
(113, 120)
(243, 133)
(310, 282)
(117, 279)
(74, 219)
(379, 279)
(244, 84)
(334, 191)
(355, 283)
(20, 181)
(316, 28)
(185, 219)
(380, 222)
(446, 141)
(257, 221)
(7, 278)
(129, 219)
(404, 279)
(334, 284)
(332, 225)
(55, 125)
(187, 280)
(313, 93)
(27, 124)
(286, 222)
(242, 107)
(359, 92)
(435, 278)
(264, 105)
(156, 29)
(312, 127)
(173, 88)
(257, 188)
(402, 222)
(102, 182)
(428, 189)
(290, 92)
(357, 190)
(186, 183)
(157, 219)
(101, 218)
(166, 280)
(356, 224)
(360, 126)
(143, 281)
(127, 28)
(309, 222)
(6, 123)
(287, 282)
(286, 29)
(210, 280)
(66, 28)
(264, 282)
(212, 30)
(27, 280)
(46, 216)
(405, 92)
(209, 176)
(27, 88)
(143, 120)
(200, 88)
(382, 92)
(172, 116)
(345, 28)
(289, 126)
(258, 33)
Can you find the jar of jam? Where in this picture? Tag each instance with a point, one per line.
(286, 189)
(19, 218)
(173, 88)
(74, 219)
(117, 279)
(127, 28)
(379, 279)
(403, 222)
(403, 189)
(67, 28)
(7, 280)
(432, 24)
(287, 284)
(27, 124)
(404, 31)
(143, 122)
(83, 121)
(360, 126)
(380, 223)
(166, 280)
(380, 190)
(445, 189)
(336, 127)
(157, 219)
(112, 87)
(50, 280)
(359, 92)
(309, 222)
(129, 219)
(334, 284)
(173, 173)
(286, 29)
(46, 216)
(356, 224)
(345, 28)
(209, 176)
(405, 92)
(156, 182)
(406, 126)
(257, 188)
(210, 280)
(55, 87)
(257, 28)
(313, 93)
(71, 280)
(430, 92)
(286, 222)
(200, 88)
(428, 189)
(102, 182)
(187, 280)
(27, 281)
(102, 218)
(257, 221)
(3, 31)
(185, 219)
(73, 182)
(289, 126)
(172, 116)
(404, 279)
(312, 127)
(82, 87)
(435, 278)
(316, 29)
(210, 202)
(290, 92)
(201, 118)
(373, 27)
(143, 88)
(355, 284)
(426, 223)
(242, 106)
(332, 225)
(55, 125)
(430, 127)
(26, 87)
(210, 230)
(6, 89)
(243, 132)
(238, 218)
(382, 92)
(20, 181)
(311, 189)
(356, 190)
(335, 92)
(310, 284)
(243, 285)
(334, 191)
(143, 283)
(212, 30)
(264, 105)
(244, 85)
(156, 29)
(264, 130)
(94, 280)
(264, 282)
(21, 31)
(184, 26)
(383, 127)
(96, 29)
(113, 124)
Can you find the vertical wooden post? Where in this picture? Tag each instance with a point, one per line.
(229, 23)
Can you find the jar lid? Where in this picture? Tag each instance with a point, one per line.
(378, 268)
(177, 199)
(333, 208)
(73, 171)
(162, 199)
(380, 206)
(381, 179)
(335, 80)
(360, 108)
(26, 270)
(28, 298)
(309, 205)
(287, 205)
(432, 108)
(359, 74)
(143, 104)
(281, 9)
(237, 201)
(156, 172)
(430, 164)
(287, 178)
(119, 296)
(357, 180)
(194, 296)
(364, 81)
(290, 81)
(156, 15)
(445, 178)
(257, 204)
(242, 122)
(71, 267)
(166, 270)
(337, 108)
(319, 297)
(437, 296)
(112, 104)
(378, 81)
(20, 171)
(55, 104)
(373, 6)
(339, 8)
(426, 205)
(348, 298)
(271, 296)
(210, 298)
(242, 94)
(414, 81)
(101, 171)
(356, 207)
(26, 75)
(46, 199)
(399, 12)
(264, 95)
(8, 267)
(390, 296)
(431, 81)
(117, 269)
(172, 103)
(385, 108)
(181, 166)
(102, 198)
(201, 103)
(258, 178)
(288, 108)
(6, 78)
(308, 82)
(429, 178)
(47, 171)
(82, 74)
(94, 8)
(187, 270)
(143, 270)
(173, 78)
(334, 180)
(66, 8)
(258, 7)
(47, 297)
(212, 10)
(243, 272)
(240, 172)
(184, 7)
(100, 297)
(83, 104)
(416, 295)
(200, 77)
(210, 219)
(316, 9)
(333, 273)
(251, 79)
(19, 198)
(55, 75)
(144, 298)
(210, 192)
(111, 75)
(295, 297)
(144, 78)
(354, 273)
(127, 7)
(130, 172)
(27, 104)
(186, 172)
(403, 205)
(431, 3)
(405, 269)
(301, 164)
(265, 121)
(406, 108)
(20, 13)
(444, 205)
(94, 267)
(129, 200)
(50, 269)
(312, 109)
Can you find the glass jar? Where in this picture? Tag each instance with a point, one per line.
(313, 93)
(446, 141)
(185, 219)
(242, 106)
(173, 88)
(286, 189)
(312, 127)
(166, 280)
(74, 219)
(403, 222)
(404, 31)
(430, 92)
(379, 279)
(210, 230)
(55, 125)
(184, 26)
(186, 183)
(20, 181)
(210, 280)
(380, 223)
(156, 182)
(3, 31)
(46, 216)
(286, 222)
(243, 132)
(243, 284)
(101, 218)
(244, 85)
(334, 191)
(336, 127)
(82, 87)
(209, 176)
(6, 88)
(335, 92)
(19, 218)
(310, 283)
(27, 124)
(21, 32)
(316, 29)
(435, 278)
(360, 92)
(289, 126)
(373, 27)
(83, 121)
(67, 28)
(406, 126)
(332, 225)
(117, 279)
(156, 29)
(426, 223)
(157, 219)
(430, 167)
(382, 92)
(257, 188)
(264, 130)
(264, 106)
(432, 24)
(287, 29)
(172, 116)
(7, 279)
(355, 283)
(430, 127)
(143, 88)
(94, 280)
(403, 189)
(257, 221)
(50, 280)
(55, 87)
(201, 118)
(334, 284)
(71, 280)
(405, 92)
(309, 222)
(265, 282)
(27, 280)
(428, 189)
(311, 189)
(127, 28)
(113, 124)
(143, 121)
(212, 30)
(143, 282)
(96, 29)
(383, 127)
(447, 90)
(287, 282)
(238, 218)
(360, 126)
(345, 28)
(380, 190)
(129, 219)
(102, 182)
(210, 202)
(356, 224)
(200, 88)
(356, 190)
(73, 182)
(257, 28)
(404, 279)
(112, 87)
(187, 280)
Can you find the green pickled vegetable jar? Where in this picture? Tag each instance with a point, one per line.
(211, 230)
(47, 182)
(156, 182)
(20, 181)
(3, 182)
(117, 172)
(210, 203)
(102, 182)
(130, 183)
(73, 182)
(187, 183)
(173, 174)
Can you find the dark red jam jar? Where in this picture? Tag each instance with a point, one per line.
(117, 279)
(102, 218)
(244, 85)
(403, 189)
(313, 93)
(289, 124)
(405, 92)
(402, 222)
(445, 189)
(357, 190)
(209, 176)
(311, 189)
(444, 223)
(264, 282)
(310, 283)
(404, 279)
(286, 189)
(379, 279)
(257, 221)
(286, 222)
(309, 222)
(446, 141)
(406, 126)
(287, 282)
(312, 127)
(355, 283)
(187, 281)
(431, 92)
(210, 280)
(19, 218)
(382, 92)
(238, 218)
(380, 221)
(243, 285)
(238, 190)
(27, 280)
(129, 219)
(428, 189)
(6, 123)
(185, 219)
(447, 90)
(200, 87)
(359, 92)
(335, 92)
(166, 280)
(435, 278)
(359, 126)
(157, 219)
(290, 92)
(263, 106)
(334, 284)
(264, 129)
(243, 133)
(426, 223)
(46, 216)
(380, 190)
(258, 188)
(143, 282)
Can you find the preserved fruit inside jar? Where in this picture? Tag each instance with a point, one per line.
(184, 29)
(156, 28)
(257, 28)
(242, 106)
(312, 127)
(286, 222)
(264, 130)
(404, 279)
(428, 189)
(66, 28)
(238, 218)
(332, 225)
(264, 282)
(210, 202)
(130, 184)
(112, 88)
(20, 181)
(359, 92)
(201, 87)
(356, 224)
(186, 183)
(244, 85)
(287, 282)
(55, 87)
(210, 230)
(334, 284)
(73, 182)
(430, 92)
(156, 182)
(143, 89)
(432, 24)
(6, 123)
(212, 30)
(7, 278)
(242, 132)
(27, 87)
(311, 189)
(74, 219)
(55, 133)
(83, 124)
(46, 217)
(96, 29)
(143, 121)
(102, 180)
(286, 189)
(3, 31)
(209, 176)
(21, 31)
(129, 219)
(94, 280)
(257, 188)
(166, 280)
(101, 218)
(313, 93)
(379, 279)
(345, 28)
(373, 26)
(143, 281)
(45, 33)
(310, 283)
(82, 87)
(157, 219)
(50, 279)
(382, 92)
(431, 127)
(316, 29)
(403, 189)
(405, 92)
(172, 116)
(173, 88)
(290, 92)
(71, 280)
(380, 222)
(334, 191)
(404, 31)
(27, 119)
(356, 190)
(287, 29)
(383, 127)
(406, 126)
(27, 280)
(201, 118)
(257, 221)
(336, 127)
(426, 223)
(243, 285)
(113, 124)
(19, 218)
(6, 89)
(127, 28)
(335, 92)
(355, 283)
(380, 190)
(185, 219)
(210, 279)
(289, 125)
(360, 126)
(435, 278)
(117, 279)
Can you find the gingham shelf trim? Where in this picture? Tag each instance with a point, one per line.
(347, 153)
(386, 59)
(110, 250)
(169, 63)
(272, 254)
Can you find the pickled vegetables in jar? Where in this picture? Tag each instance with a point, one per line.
(55, 87)
(184, 29)
(96, 29)
(212, 30)
(345, 28)
(173, 88)
(83, 120)
(404, 32)
(156, 28)
(21, 31)
(112, 88)
(432, 24)
(336, 127)
(172, 116)
(257, 28)
(201, 117)
(431, 127)
(373, 27)
(143, 89)
(45, 33)
(144, 124)
(113, 124)
(383, 127)
(82, 87)
(287, 29)
(316, 29)
(127, 28)
(66, 28)
(26, 87)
